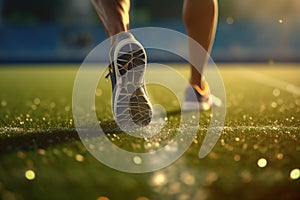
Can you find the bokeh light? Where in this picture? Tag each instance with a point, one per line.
(30, 175)
(295, 174)
(262, 162)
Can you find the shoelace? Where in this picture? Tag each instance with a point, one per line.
(110, 70)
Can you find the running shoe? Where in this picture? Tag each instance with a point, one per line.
(199, 99)
(130, 103)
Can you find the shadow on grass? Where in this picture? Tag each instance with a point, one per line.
(44, 139)
(36, 140)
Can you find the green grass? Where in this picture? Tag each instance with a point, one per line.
(37, 133)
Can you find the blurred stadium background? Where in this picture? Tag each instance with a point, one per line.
(65, 31)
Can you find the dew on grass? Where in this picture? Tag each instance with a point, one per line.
(195, 141)
(262, 162)
(237, 139)
(156, 144)
(30, 175)
(295, 174)
(79, 158)
(279, 156)
(222, 142)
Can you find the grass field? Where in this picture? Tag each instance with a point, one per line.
(256, 157)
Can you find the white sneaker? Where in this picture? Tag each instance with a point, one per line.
(199, 99)
(130, 103)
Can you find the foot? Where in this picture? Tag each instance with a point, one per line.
(199, 99)
(130, 103)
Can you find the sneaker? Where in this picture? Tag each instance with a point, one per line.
(130, 103)
(199, 99)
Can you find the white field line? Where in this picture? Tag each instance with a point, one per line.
(269, 81)
(256, 128)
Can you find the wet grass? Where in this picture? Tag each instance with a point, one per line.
(37, 133)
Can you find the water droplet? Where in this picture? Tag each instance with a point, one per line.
(237, 139)
(30, 175)
(280, 21)
(137, 160)
(262, 162)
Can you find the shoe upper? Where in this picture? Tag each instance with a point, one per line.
(195, 90)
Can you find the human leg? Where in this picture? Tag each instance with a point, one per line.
(130, 104)
(113, 14)
(200, 19)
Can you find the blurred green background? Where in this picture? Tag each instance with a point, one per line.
(65, 31)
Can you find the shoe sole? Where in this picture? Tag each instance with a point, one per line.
(131, 105)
